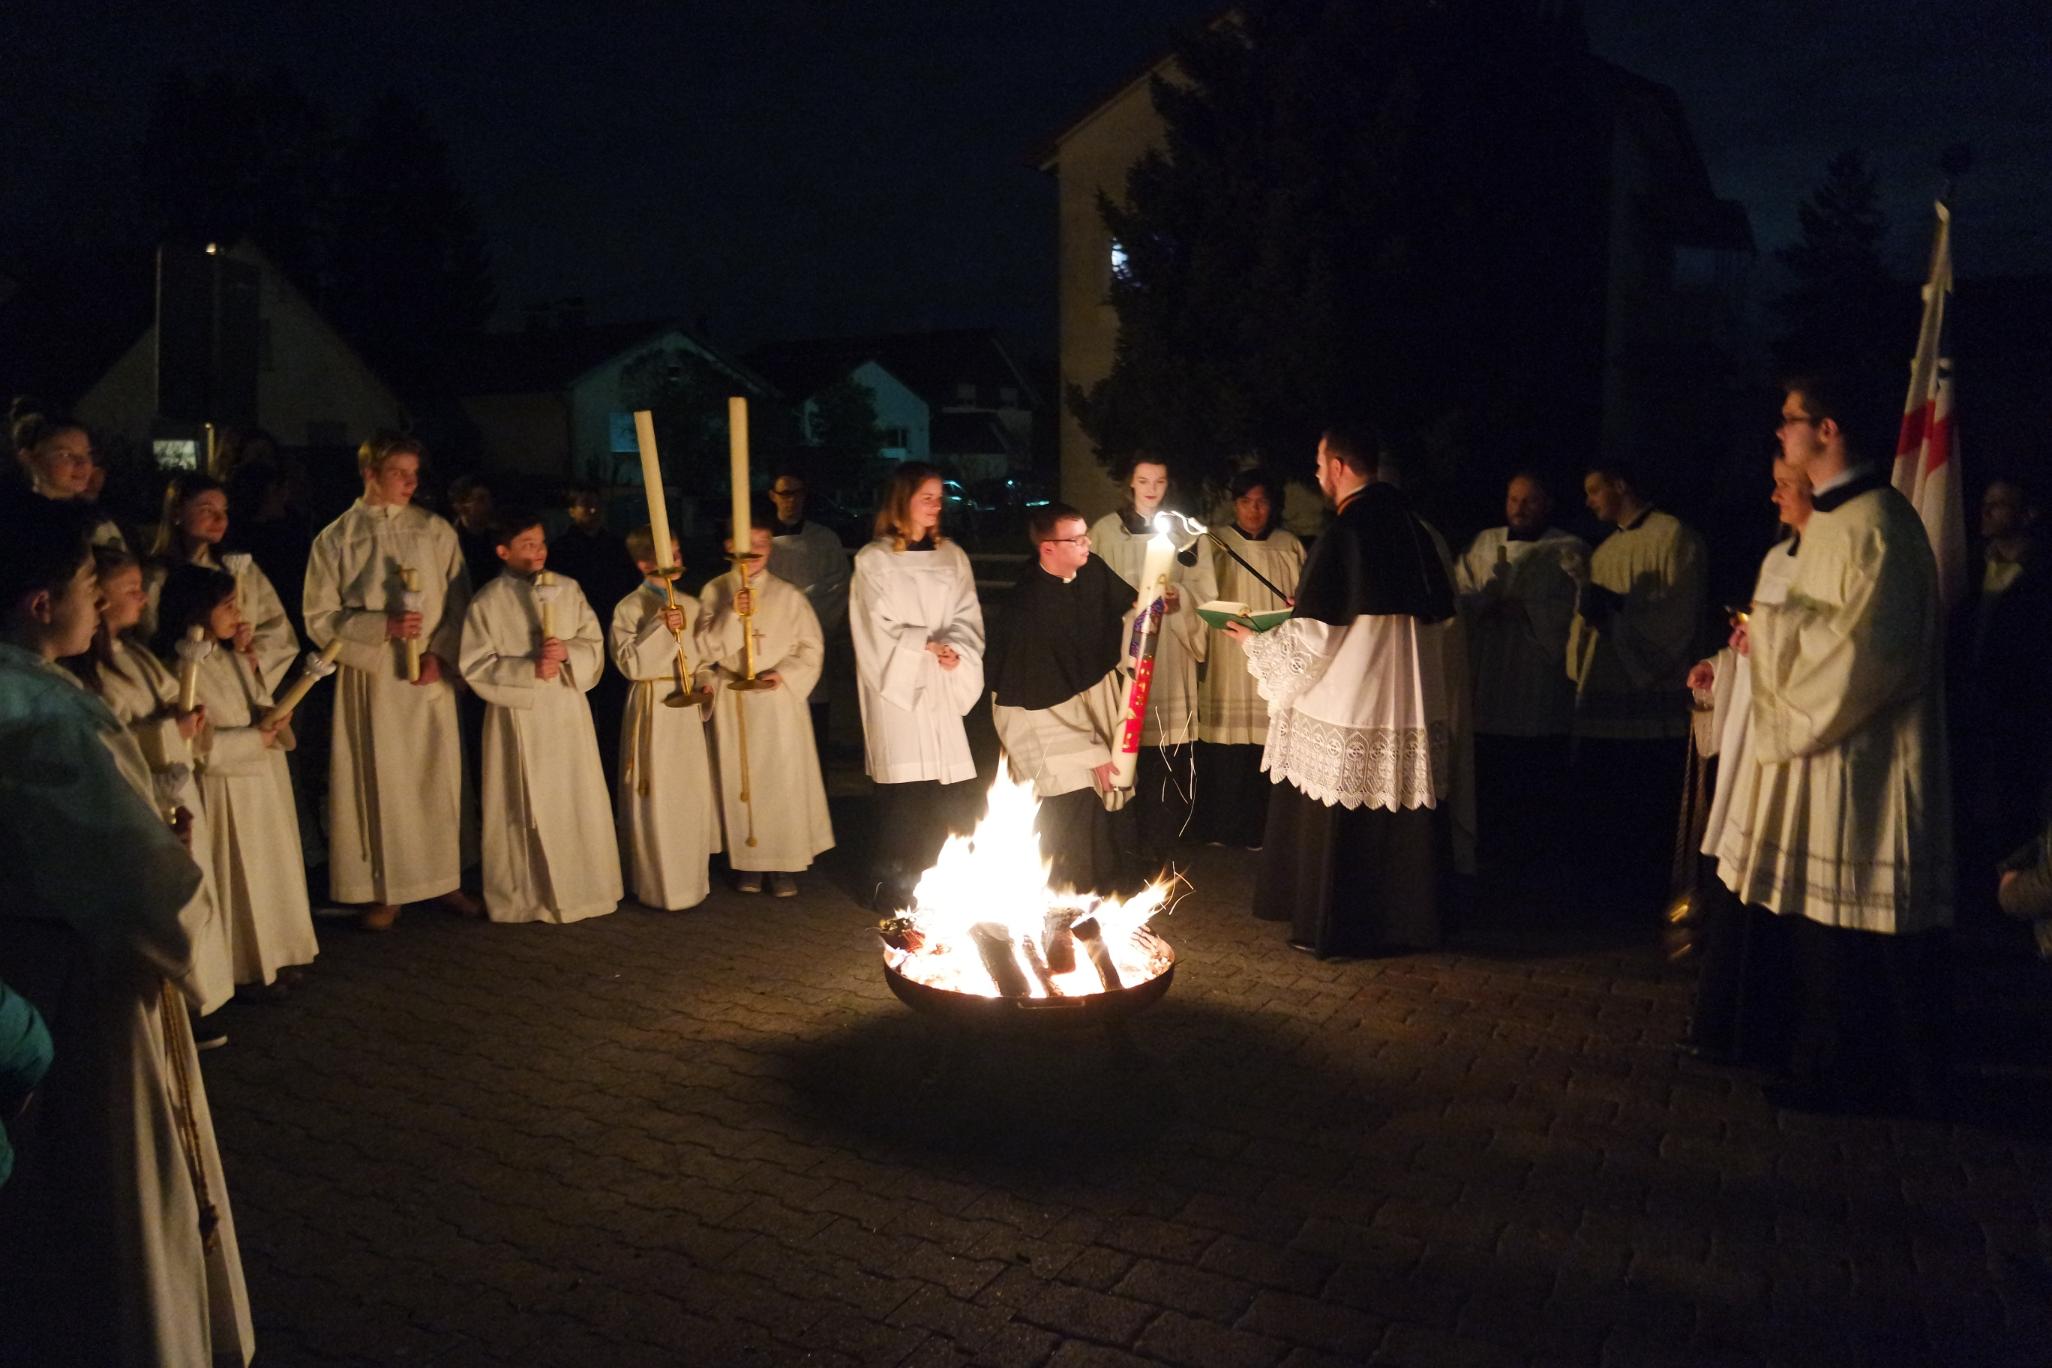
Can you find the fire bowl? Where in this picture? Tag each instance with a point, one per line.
(1029, 1013)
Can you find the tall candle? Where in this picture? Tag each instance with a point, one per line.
(318, 667)
(737, 468)
(652, 482)
(193, 650)
(1154, 584)
(411, 601)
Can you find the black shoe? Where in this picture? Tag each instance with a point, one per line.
(1305, 948)
(208, 1035)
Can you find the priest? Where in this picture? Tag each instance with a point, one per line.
(1629, 649)
(1056, 698)
(395, 781)
(1517, 597)
(1844, 821)
(1359, 739)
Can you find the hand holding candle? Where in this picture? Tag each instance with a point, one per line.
(191, 651)
(545, 591)
(1146, 636)
(412, 599)
(319, 665)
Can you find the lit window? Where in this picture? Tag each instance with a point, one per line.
(1120, 270)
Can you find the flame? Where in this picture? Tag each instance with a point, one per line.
(989, 893)
(1182, 530)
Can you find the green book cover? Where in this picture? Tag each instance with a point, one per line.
(1219, 612)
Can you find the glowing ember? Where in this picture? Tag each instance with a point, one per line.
(985, 922)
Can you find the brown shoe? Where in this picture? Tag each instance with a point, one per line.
(462, 904)
(378, 917)
(783, 886)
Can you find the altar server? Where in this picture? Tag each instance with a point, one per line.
(194, 523)
(1360, 743)
(1845, 821)
(142, 693)
(918, 632)
(1165, 786)
(531, 649)
(120, 1247)
(395, 785)
(810, 556)
(1232, 719)
(669, 806)
(259, 869)
(1057, 700)
(764, 735)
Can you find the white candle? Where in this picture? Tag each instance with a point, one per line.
(308, 677)
(652, 484)
(737, 469)
(410, 601)
(1154, 583)
(189, 657)
(545, 590)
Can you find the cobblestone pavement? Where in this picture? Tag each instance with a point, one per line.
(702, 1138)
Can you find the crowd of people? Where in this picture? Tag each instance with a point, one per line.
(1414, 719)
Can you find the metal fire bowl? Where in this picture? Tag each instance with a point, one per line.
(1028, 1013)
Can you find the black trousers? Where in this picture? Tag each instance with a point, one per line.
(1078, 836)
(1520, 791)
(913, 820)
(1354, 881)
(1232, 795)
(1875, 1015)
(1627, 798)
(1745, 1006)
(1159, 814)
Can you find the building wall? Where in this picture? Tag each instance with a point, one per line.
(899, 412)
(1092, 158)
(312, 388)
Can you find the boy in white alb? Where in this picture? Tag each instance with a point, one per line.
(531, 649)
(669, 805)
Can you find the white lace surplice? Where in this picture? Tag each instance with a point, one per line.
(1358, 715)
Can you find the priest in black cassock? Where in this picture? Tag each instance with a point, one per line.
(1359, 737)
(1056, 698)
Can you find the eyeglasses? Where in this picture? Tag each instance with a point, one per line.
(1789, 420)
(787, 493)
(1083, 540)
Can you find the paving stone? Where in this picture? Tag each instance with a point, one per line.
(700, 1136)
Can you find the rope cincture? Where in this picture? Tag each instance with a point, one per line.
(178, 1044)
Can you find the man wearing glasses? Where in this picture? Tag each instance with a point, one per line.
(1055, 695)
(811, 557)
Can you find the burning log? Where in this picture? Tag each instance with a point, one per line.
(1037, 962)
(1059, 939)
(994, 944)
(901, 933)
(1092, 936)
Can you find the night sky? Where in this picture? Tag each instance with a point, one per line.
(783, 168)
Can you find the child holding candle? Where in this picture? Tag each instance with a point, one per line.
(143, 696)
(783, 823)
(531, 649)
(194, 524)
(669, 808)
(259, 869)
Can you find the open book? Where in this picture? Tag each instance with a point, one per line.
(1219, 612)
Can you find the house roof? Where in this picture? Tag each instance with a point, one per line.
(931, 364)
(549, 359)
(1043, 153)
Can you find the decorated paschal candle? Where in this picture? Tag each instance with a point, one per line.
(1154, 586)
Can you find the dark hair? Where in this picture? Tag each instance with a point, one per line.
(107, 561)
(191, 594)
(42, 544)
(463, 486)
(511, 522)
(1357, 446)
(1041, 525)
(1617, 473)
(1245, 482)
(1865, 417)
(182, 489)
(573, 490)
(761, 513)
(894, 513)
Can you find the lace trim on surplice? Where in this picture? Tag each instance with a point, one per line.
(1375, 767)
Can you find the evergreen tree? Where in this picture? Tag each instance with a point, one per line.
(411, 274)
(1389, 209)
(687, 399)
(226, 157)
(1842, 310)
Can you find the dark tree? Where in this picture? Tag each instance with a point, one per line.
(847, 440)
(1842, 310)
(228, 156)
(687, 398)
(1388, 209)
(411, 275)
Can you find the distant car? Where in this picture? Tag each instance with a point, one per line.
(851, 527)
